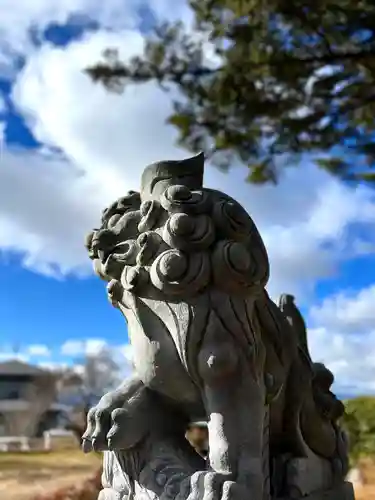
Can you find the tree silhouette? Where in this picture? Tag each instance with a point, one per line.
(281, 78)
(359, 423)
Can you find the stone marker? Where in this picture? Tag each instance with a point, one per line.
(187, 268)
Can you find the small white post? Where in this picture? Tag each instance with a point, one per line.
(25, 445)
(47, 440)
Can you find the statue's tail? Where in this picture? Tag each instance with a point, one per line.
(296, 321)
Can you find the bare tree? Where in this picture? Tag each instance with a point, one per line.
(85, 384)
(41, 393)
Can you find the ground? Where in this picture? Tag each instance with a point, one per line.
(367, 491)
(25, 475)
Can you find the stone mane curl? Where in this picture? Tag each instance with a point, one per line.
(178, 239)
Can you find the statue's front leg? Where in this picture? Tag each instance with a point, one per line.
(99, 418)
(234, 396)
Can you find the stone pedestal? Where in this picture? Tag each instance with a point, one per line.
(342, 492)
(307, 483)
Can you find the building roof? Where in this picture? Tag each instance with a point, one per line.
(14, 405)
(58, 407)
(16, 367)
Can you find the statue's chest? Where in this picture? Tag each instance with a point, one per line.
(159, 348)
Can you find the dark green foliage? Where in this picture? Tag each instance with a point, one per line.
(289, 77)
(359, 422)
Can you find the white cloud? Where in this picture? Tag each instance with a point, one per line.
(23, 21)
(342, 334)
(348, 311)
(86, 347)
(70, 356)
(39, 350)
(66, 110)
(53, 366)
(2, 138)
(72, 348)
(171, 10)
(76, 350)
(305, 220)
(3, 104)
(46, 208)
(9, 355)
(94, 346)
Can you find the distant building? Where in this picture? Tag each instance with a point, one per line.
(28, 396)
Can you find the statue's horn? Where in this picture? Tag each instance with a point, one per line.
(158, 176)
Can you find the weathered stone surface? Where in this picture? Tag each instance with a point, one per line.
(187, 268)
(342, 492)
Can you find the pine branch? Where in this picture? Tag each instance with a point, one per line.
(105, 72)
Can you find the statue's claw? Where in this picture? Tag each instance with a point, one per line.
(98, 425)
(234, 491)
(118, 421)
(86, 438)
(207, 485)
(86, 445)
(127, 429)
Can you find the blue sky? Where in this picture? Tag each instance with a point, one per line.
(69, 149)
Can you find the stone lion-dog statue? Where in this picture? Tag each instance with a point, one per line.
(187, 268)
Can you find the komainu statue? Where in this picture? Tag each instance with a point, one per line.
(187, 267)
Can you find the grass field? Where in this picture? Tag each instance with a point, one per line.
(24, 475)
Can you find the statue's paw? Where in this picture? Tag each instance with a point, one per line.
(234, 491)
(99, 421)
(204, 485)
(127, 429)
(209, 485)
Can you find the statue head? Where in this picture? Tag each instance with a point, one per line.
(177, 238)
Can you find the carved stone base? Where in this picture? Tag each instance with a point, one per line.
(342, 492)
(307, 480)
(116, 484)
(309, 477)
